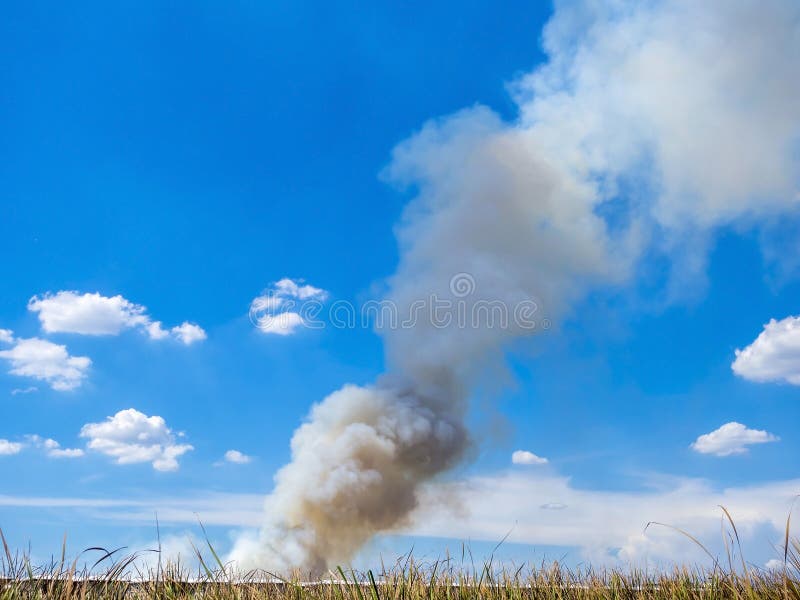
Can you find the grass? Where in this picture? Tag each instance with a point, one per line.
(113, 576)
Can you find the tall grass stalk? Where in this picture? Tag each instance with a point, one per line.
(118, 576)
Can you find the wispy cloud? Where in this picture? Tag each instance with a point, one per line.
(65, 453)
(234, 510)
(28, 390)
(539, 508)
(606, 525)
(52, 448)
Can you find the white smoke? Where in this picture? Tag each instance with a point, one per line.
(651, 124)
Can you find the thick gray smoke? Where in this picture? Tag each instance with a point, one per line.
(355, 468)
(652, 123)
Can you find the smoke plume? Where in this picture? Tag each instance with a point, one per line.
(651, 125)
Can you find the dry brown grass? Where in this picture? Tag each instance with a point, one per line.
(114, 577)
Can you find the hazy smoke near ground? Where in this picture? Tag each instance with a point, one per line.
(651, 125)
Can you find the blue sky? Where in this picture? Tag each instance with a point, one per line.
(176, 163)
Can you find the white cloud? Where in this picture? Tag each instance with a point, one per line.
(156, 331)
(28, 390)
(285, 323)
(523, 457)
(87, 314)
(52, 448)
(731, 438)
(606, 525)
(288, 288)
(774, 355)
(65, 453)
(553, 506)
(774, 564)
(234, 456)
(95, 314)
(189, 333)
(279, 310)
(38, 441)
(213, 508)
(6, 336)
(132, 437)
(48, 362)
(8, 448)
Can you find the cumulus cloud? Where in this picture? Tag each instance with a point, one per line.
(132, 437)
(523, 457)
(48, 362)
(236, 457)
(731, 438)
(95, 314)
(6, 336)
(8, 448)
(189, 333)
(286, 323)
(774, 355)
(87, 314)
(282, 309)
(155, 330)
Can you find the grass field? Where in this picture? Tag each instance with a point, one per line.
(118, 577)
